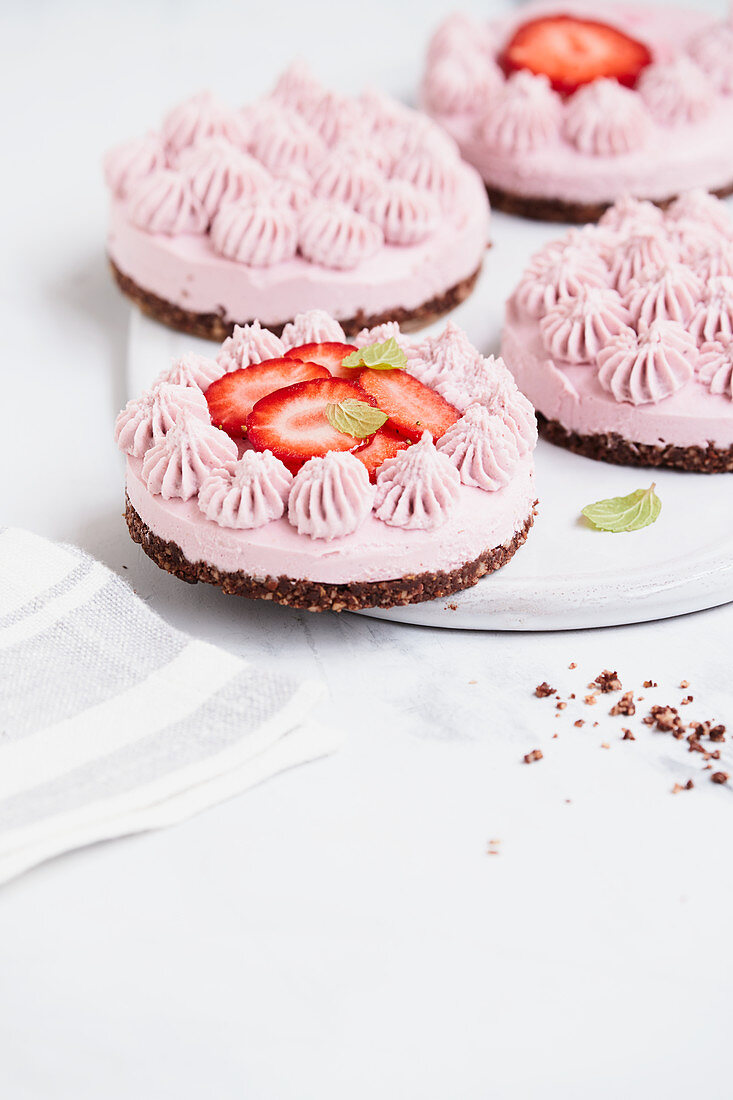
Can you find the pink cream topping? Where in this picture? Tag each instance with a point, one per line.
(467, 384)
(444, 357)
(605, 119)
(147, 419)
(330, 496)
(505, 400)
(712, 49)
(556, 273)
(260, 232)
(676, 91)
(461, 84)
(631, 215)
(715, 366)
(524, 116)
(334, 235)
(249, 344)
(132, 161)
(315, 326)
(192, 370)
(714, 315)
(461, 34)
(297, 88)
(483, 449)
(671, 293)
(199, 118)
(405, 215)
(700, 206)
(389, 330)
(250, 494)
(637, 252)
(576, 328)
(164, 202)
(332, 116)
(645, 368)
(418, 488)
(429, 172)
(285, 141)
(221, 174)
(178, 465)
(347, 179)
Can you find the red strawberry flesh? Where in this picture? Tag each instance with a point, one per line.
(412, 407)
(233, 396)
(384, 444)
(329, 355)
(573, 52)
(292, 423)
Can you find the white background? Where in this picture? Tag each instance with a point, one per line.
(340, 932)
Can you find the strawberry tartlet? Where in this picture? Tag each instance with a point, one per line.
(621, 334)
(327, 475)
(305, 199)
(564, 109)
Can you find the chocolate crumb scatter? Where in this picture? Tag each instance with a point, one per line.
(605, 745)
(683, 787)
(627, 734)
(717, 733)
(650, 684)
(625, 705)
(594, 725)
(571, 695)
(572, 665)
(686, 701)
(580, 722)
(665, 719)
(530, 757)
(543, 690)
(590, 700)
(560, 705)
(607, 681)
(720, 777)
(684, 683)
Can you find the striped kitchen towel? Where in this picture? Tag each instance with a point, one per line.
(111, 722)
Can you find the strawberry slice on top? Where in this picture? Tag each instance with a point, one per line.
(232, 397)
(412, 407)
(573, 51)
(329, 355)
(384, 444)
(292, 423)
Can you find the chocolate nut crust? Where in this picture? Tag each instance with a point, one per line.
(612, 447)
(311, 596)
(555, 210)
(212, 326)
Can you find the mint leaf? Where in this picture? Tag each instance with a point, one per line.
(386, 356)
(354, 417)
(629, 513)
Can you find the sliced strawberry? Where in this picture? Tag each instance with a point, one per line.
(412, 407)
(384, 444)
(328, 355)
(574, 51)
(292, 423)
(233, 396)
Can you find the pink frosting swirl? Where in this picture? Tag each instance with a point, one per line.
(147, 419)
(676, 91)
(313, 327)
(502, 398)
(163, 202)
(645, 368)
(285, 141)
(555, 273)
(221, 174)
(331, 496)
(460, 84)
(390, 330)
(670, 293)
(405, 215)
(132, 161)
(259, 232)
(250, 494)
(637, 252)
(714, 315)
(199, 118)
(444, 357)
(178, 465)
(712, 49)
(333, 117)
(715, 366)
(711, 260)
(698, 205)
(524, 116)
(631, 215)
(192, 370)
(249, 344)
(429, 172)
(418, 488)
(334, 235)
(348, 180)
(606, 120)
(459, 34)
(465, 385)
(483, 449)
(297, 88)
(576, 328)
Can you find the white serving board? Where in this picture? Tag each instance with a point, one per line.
(567, 575)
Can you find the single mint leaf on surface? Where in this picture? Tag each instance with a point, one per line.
(386, 356)
(629, 513)
(355, 417)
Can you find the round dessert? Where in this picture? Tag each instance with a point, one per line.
(305, 199)
(563, 113)
(327, 475)
(621, 334)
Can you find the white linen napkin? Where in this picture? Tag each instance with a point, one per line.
(111, 722)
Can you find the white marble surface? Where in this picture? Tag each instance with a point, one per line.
(340, 931)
